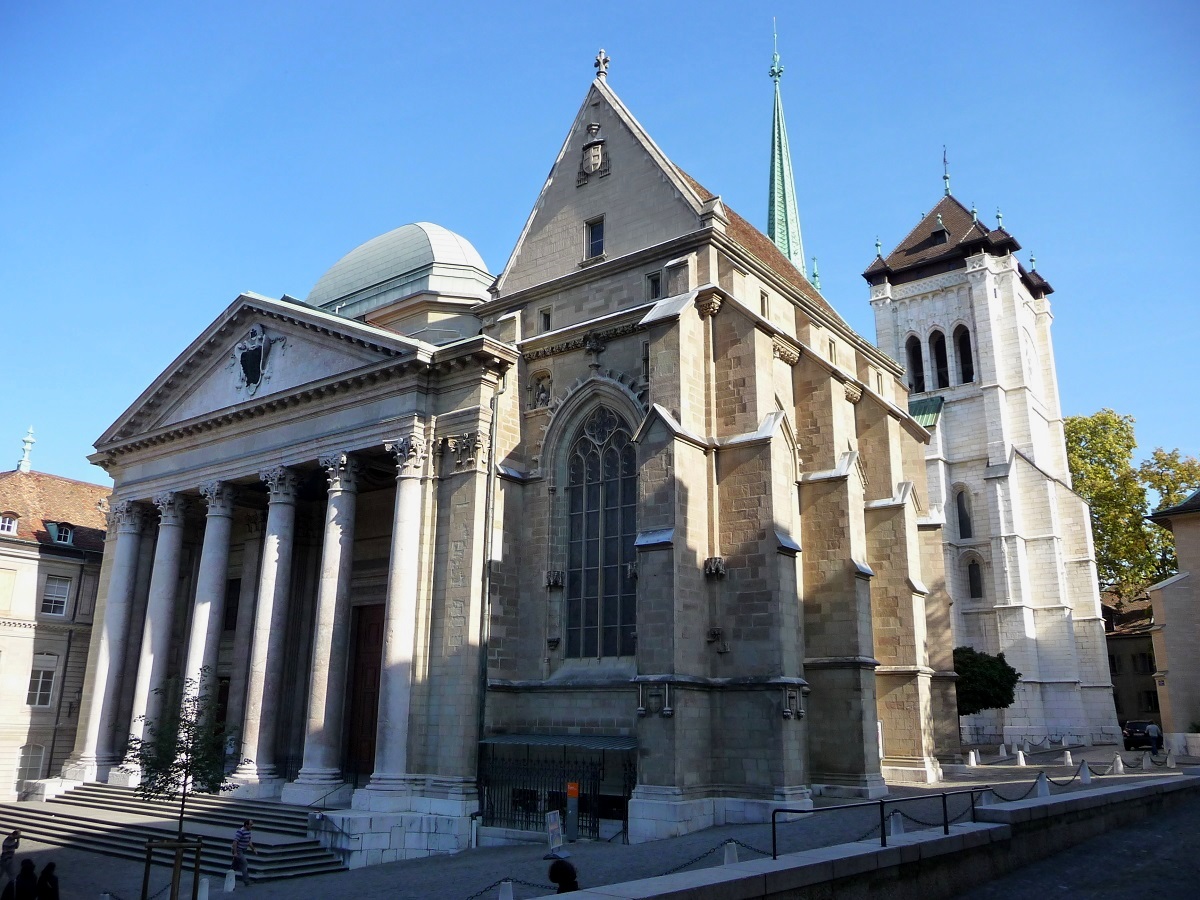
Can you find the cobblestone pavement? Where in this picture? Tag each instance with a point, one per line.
(458, 877)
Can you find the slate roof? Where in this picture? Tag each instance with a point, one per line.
(764, 250)
(37, 498)
(1190, 505)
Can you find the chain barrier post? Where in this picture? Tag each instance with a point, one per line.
(1170, 759)
(972, 758)
(1146, 760)
(506, 892)
(1021, 758)
(1003, 751)
(730, 853)
(1118, 766)
(882, 825)
(1067, 760)
(1085, 774)
(1043, 785)
(895, 823)
(945, 815)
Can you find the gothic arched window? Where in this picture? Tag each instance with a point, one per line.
(965, 527)
(601, 507)
(962, 350)
(941, 364)
(916, 367)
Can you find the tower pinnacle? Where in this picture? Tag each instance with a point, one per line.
(27, 443)
(945, 171)
(783, 218)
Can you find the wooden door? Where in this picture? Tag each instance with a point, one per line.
(366, 663)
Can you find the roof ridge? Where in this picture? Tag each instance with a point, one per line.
(6, 474)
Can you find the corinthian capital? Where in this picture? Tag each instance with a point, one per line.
(171, 507)
(342, 470)
(410, 452)
(219, 496)
(281, 484)
(126, 516)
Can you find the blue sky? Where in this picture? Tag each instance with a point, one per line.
(157, 159)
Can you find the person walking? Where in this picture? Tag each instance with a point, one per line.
(47, 883)
(7, 853)
(1155, 734)
(243, 841)
(25, 887)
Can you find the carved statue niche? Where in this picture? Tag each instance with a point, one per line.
(541, 389)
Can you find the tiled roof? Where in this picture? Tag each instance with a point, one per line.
(763, 248)
(37, 498)
(926, 410)
(1190, 505)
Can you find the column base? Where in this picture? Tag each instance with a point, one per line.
(417, 793)
(82, 768)
(125, 776)
(859, 787)
(317, 794)
(657, 812)
(911, 770)
(253, 783)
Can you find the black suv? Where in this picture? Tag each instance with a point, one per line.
(1135, 735)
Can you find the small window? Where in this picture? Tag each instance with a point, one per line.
(544, 320)
(60, 532)
(1114, 663)
(916, 367)
(962, 350)
(646, 361)
(8, 524)
(1148, 701)
(654, 285)
(941, 363)
(833, 351)
(879, 383)
(595, 238)
(764, 304)
(1143, 663)
(30, 766)
(54, 597)
(966, 528)
(41, 680)
(975, 580)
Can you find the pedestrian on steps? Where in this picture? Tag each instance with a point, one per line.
(243, 841)
(47, 883)
(7, 854)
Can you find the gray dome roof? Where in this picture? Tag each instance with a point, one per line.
(403, 251)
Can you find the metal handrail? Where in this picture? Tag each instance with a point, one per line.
(882, 804)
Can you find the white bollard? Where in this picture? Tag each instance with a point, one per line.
(985, 799)
(730, 853)
(506, 890)
(230, 881)
(1003, 751)
(1085, 774)
(1021, 758)
(1146, 761)
(972, 758)
(895, 824)
(1118, 766)
(1043, 785)
(202, 892)
(1067, 761)
(1170, 759)
(1027, 748)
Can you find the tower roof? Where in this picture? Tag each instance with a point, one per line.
(942, 241)
(783, 216)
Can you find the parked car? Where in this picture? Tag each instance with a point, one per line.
(1135, 735)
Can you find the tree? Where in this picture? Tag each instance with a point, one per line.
(984, 681)
(183, 751)
(1131, 553)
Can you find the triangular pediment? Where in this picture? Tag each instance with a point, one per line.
(258, 348)
(616, 172)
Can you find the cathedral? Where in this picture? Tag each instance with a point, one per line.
(640, 514)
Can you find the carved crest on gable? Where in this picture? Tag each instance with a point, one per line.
(595, 158)
(251, 358)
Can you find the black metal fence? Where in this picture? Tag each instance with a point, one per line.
(517, 793)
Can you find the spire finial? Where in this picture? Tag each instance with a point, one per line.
(783, 217)
(999, 218)
(776, 70)
(27, 443)
(878, 247)
(816, 279)
(1032, 262)
(945, 170)
(974, 213)
(601, 65)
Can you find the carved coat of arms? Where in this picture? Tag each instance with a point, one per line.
(595, 159)
(252, 357)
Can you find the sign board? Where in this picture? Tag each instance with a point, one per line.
(554, 829)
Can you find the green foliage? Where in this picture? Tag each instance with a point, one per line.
(183, 751)
(1131, 553)
(984, 681)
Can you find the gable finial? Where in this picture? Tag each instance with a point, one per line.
(878, 247)
(776, 70)
(1032, 262)
(816, 279)
(945, 170)
(999, 218)
(27, 443)
(941, 224)
(974, 213)
(601, 65)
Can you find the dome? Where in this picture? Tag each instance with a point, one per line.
(403, 256)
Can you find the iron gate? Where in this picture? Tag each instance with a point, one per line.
(517, 793)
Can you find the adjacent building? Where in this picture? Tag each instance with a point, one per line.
(640, 512)
(971, 326)
(51, 540)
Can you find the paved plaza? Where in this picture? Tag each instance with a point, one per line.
(1155, 850)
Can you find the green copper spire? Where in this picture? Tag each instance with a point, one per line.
(783, 219)
(816, 276)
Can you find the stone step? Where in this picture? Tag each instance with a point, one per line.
(120, 834)
(207, 808)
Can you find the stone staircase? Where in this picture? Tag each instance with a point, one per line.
(116, 821)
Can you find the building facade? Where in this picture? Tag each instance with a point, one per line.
(641, 512)
(972, 327)
(51, 540)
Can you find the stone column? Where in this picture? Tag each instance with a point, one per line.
(209, 609)
(243, 632)
(260, 720)
(400, 623)
(320, 776)
(98, 711)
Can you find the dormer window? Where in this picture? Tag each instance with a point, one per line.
(8, 524)
(60, 532)
(595, 238)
